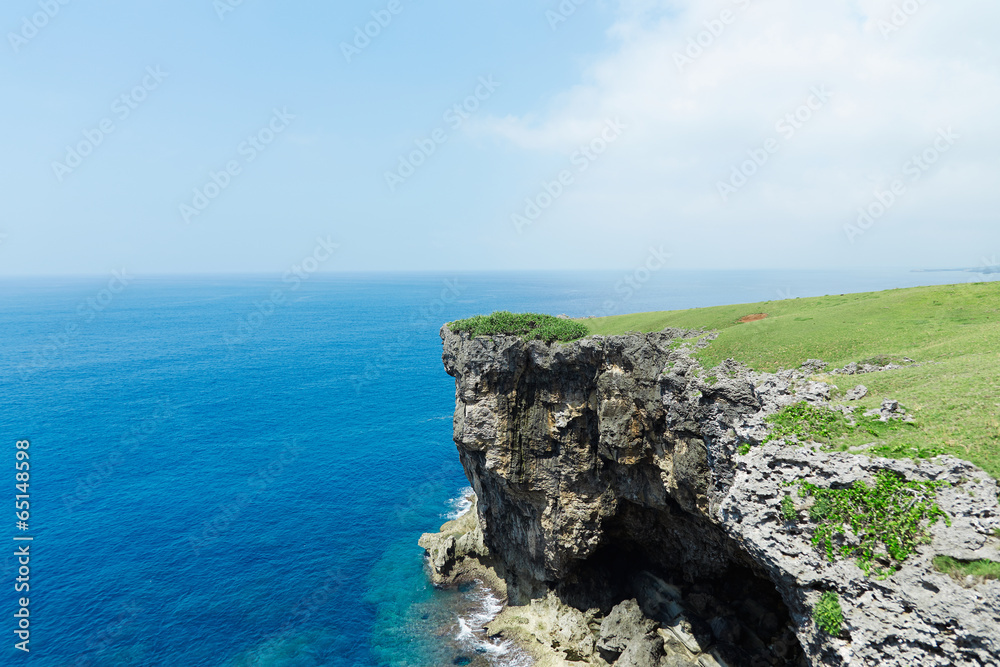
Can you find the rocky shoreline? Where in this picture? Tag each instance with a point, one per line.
(617, 521)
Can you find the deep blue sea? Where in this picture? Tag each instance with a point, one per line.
(235, 471)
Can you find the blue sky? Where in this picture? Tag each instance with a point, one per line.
(733, 134)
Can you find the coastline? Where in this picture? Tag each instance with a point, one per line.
(456, 558)
(634, 511)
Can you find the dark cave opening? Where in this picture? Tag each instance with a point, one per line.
(694, 581)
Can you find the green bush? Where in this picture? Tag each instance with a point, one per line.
(887, 518)
(529, 326)
(788, 512)
(828, 615)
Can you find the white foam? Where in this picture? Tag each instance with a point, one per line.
(465, 634)
(472, 635)
(489, 605)
(461, 505)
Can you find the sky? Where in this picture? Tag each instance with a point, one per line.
(245, 136)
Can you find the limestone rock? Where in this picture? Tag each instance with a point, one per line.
(812, 392)
(890, 409)
(603, 460)
(814, 365)
(624, 624)
(565, 632)
(857, 393)
(857, 369)
(458, 553)
(644, 651)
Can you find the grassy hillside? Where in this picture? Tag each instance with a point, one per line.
(956, 328)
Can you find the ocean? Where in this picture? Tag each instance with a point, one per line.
(234, 471)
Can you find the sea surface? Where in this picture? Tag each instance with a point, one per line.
(235, 470)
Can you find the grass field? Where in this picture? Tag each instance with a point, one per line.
(954, 330)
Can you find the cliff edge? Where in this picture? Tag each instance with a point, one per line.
(622, 514)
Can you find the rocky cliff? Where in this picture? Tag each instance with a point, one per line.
(617, 516)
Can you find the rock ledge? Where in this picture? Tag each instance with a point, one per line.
(617, 518)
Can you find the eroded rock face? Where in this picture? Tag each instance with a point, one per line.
(606, 470)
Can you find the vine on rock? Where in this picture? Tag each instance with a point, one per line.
(887, 520)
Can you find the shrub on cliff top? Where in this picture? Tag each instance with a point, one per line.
(529, 326)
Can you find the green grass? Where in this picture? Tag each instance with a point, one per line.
(960, 569)
(922, 322)
(806, 422)
(953, 329)
(529, 326)
(803, 422)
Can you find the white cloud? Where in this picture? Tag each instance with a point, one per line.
(690, 125)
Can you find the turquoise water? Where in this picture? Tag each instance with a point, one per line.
(220, 476)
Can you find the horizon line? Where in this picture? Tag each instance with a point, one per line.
(440, 272)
